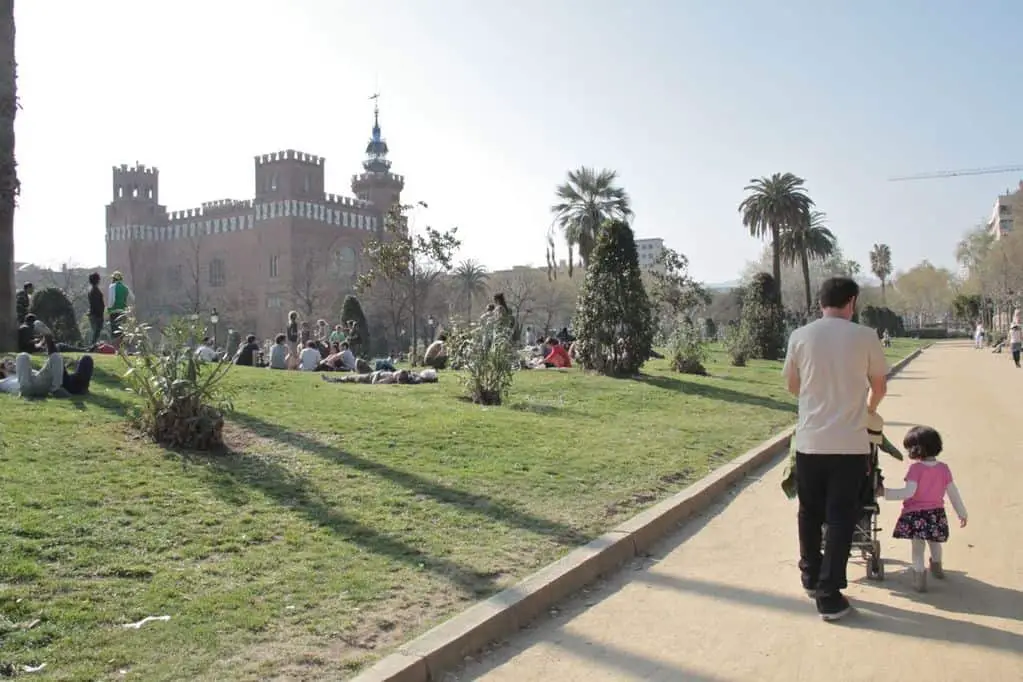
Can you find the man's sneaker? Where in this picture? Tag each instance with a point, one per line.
(936, 570)
(833, 606)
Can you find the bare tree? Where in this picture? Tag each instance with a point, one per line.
(390, 299)
(555, 301)
(313, 290)
(195, 289)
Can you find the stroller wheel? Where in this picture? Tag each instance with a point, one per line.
(875, 569)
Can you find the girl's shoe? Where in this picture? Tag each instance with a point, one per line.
(920, 581)
(937, 571)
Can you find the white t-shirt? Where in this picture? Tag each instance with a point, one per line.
(1015, 335)
(308, 359)
(206, 354)
(834, 360)
(348, 359)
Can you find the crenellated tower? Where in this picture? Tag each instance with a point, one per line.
(377, 184)
(289, 174)
(136, 196)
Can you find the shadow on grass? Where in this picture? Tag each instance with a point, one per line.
(714, 392)
(469, 502)
(230, 471)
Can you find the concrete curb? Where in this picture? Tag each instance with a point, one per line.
(445, 647)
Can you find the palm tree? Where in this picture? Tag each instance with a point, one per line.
(9, 184)
(881, 265)
(805, 241)
(586, 200)
(772, 206)
(471, 280)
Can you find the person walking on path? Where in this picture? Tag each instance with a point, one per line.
(923, 520)
(1016, 341)
(830, 365)
(23, 301)
(119, 298)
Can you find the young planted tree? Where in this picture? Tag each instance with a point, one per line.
(673, 292)
(403, 253)
(613, 324)
(54, 308)
(9, 185)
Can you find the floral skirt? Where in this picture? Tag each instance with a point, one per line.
(929, 524)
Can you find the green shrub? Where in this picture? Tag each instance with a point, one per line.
(737, 346)
(55, 310)
(183, 401)
(613, 322)
(353, 319)
(686, 349)
(485, 357)
(762, 322)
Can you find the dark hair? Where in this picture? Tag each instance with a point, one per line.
(344, 344)
(553, 341)
(310, 344)
(280, 338)
(499, 300)
(30, 319)
(251, 338)
(28, 285)
(206, 340)
(836, 292)
(94, 279)
(490, 307)
(922, 442)
(442, 337)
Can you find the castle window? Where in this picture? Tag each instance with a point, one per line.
(274, 260)
(273, 182)
(120, 192)
(149, 193)
(273, 301)
(217, 274)
(135, 191)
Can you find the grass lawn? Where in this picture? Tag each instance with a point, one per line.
(348, 518)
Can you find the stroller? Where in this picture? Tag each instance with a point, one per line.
(867, 533)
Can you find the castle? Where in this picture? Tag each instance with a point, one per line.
(292, 247)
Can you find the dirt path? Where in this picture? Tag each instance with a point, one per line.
(721, 600)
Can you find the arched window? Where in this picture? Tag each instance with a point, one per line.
(217, 273)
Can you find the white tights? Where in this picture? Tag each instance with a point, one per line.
(918, 553)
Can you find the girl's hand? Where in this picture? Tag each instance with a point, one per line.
(962, 523)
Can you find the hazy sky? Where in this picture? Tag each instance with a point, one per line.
(485, 106)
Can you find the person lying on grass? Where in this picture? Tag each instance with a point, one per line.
(53, 378)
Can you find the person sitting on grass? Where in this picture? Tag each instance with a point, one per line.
(32, 383)
(246, 355)
(309, 358)
(557, 357)
(30, 331)
(437, 353)
(279, 353)
(341, 361)
(205, 352)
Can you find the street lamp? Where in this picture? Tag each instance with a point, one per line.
(432, 324)
(214, 319)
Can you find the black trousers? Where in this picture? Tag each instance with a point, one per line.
(77, 382)
(829, 488)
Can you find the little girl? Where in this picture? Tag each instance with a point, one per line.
(923, 520)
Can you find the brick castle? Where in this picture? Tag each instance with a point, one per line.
(291, 247)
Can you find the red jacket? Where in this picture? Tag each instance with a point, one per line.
(558, 357)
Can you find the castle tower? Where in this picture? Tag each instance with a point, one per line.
(289, 174)
(377, 184)
(136, 196)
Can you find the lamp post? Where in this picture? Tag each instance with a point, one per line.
(214, 319)
(432, 324)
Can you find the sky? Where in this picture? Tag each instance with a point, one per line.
(487, 105)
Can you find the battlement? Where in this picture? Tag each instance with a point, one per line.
(137, 169)
(364, 177)
(338, 200)
(290, 155)
(226, 205)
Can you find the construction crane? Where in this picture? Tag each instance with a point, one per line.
(957, 173)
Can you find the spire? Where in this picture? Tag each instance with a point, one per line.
(376, 151)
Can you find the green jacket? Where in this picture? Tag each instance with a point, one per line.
(788, 483)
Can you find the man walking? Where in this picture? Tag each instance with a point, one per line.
(830, 365)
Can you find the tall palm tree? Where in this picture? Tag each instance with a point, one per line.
(585, 201)
(471, 281)
(881, 265)
(773, 205)
(804, 241)
(9, 184)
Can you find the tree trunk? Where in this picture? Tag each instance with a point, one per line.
(805, 262)
(776, 261)
(468, 305)
(884, 298)
(8, 175)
